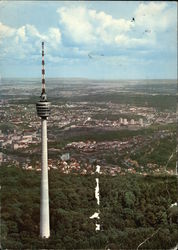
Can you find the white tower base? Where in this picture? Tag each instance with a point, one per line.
(44, 207)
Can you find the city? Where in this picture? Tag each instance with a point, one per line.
(70, 120)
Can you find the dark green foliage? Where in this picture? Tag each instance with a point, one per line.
(158, 152)
(7, 127)
(132, 209)
(160, 102)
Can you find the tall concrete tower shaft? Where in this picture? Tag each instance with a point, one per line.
(43, 111)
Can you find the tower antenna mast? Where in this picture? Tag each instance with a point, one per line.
(43, 71)
(43, 111)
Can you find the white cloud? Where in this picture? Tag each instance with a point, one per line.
(54, 37)
(90, 31)
(89, 26)
(77, 24)
(6, 31)
(33, 32)
(25, 41)
(107, 21)
(21, 33)
(126, 41)
(155, 16)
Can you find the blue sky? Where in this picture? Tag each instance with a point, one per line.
(91, 39)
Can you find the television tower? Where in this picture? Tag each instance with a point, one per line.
(43, 111)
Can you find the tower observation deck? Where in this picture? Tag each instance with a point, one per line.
(43, 111)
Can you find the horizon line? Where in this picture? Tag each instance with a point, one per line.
(96, 79)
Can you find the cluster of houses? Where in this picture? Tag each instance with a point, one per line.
(18, 140)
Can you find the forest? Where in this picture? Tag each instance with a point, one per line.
(161, 152)
(133, 208)
(160, 102)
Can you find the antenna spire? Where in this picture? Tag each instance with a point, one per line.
(43, 70)
(43, 93)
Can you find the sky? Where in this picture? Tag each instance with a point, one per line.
(89, 39)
